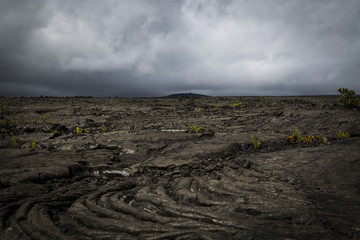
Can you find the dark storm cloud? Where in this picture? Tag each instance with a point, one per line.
(149, 48)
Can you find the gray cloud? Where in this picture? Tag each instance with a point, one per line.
(150, 48)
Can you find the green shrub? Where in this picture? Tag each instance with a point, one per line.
(299, 139)
(321, 139)
(342, 135)
(33, 143)
(4, 109)
(46, 118)
(195, 129)
(78, 131)
(255, 142)
(239, 104)
(348, 98)
(13, 140)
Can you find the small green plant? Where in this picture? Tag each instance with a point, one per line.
(78, 131)
(308, 139)
(195, 129)
(239, 104)
(321, 139)
(4, 109)
(57, 131)
(86, 131)
(103, 129)
(6, 121)
(342, 135)
(215, 109)
(275, 104)
(324, 100)
(33, 143)
(23, 120)
(46, 118)
(13, 140)
(262, 101)
(255, 142)
(297, 138)
(348, 98)
(72, 103)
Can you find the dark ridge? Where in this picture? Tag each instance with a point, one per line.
(186, 95)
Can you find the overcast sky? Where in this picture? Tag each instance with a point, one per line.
(159, 47)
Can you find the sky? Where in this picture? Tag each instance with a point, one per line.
(145, 48)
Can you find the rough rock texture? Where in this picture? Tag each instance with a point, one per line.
(135, 172)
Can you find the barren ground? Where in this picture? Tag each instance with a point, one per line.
(138, 174)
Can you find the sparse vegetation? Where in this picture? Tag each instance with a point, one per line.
(348, 98)
(342, 135)
(215, 109)
(255, 142)
(194, 129)
(33, 143)
(239, 104)
(321, 139)
(262, 101)
(6, 121)
(46, 118)
(78, 131)
(13, 140)
(297, 138)
(4, 109)
(103, 129)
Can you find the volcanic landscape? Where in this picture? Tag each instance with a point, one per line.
(179, 168)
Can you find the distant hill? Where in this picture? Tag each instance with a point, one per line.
(186, 95)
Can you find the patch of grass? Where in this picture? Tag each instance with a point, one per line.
(321, 139)
(46, 118)
(33, 143)
(348, 98)
(238, 104)
(103, 129)
(262, 101)
(13, 140)
(57, 131)
(255, 142)
(215, 109)
(6, 121)
(23, 120)
(78, 131)
(308, 139)
(297, 138)
(4, 109)
(195, 129)
(342, 135)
